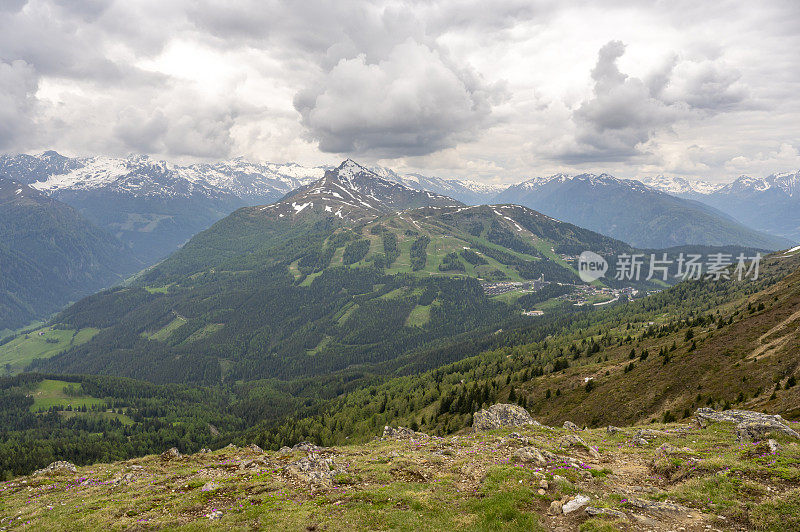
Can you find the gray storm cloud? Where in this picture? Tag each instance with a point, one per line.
(18, 84)
(413, 102)
(443, 84)
(625, 112)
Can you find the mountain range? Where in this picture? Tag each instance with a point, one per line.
(770, 204)
(633, 212)
(154, 206)
(350, 271)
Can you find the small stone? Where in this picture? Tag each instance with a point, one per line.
(216, 514)
(576, 503)
(541, 492)
(210, 486)
(611, 429)
(556, 508)
(569, 425)
(544, 484)
(255, 448)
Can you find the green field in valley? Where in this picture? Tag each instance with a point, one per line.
(43, 343)
(52, 393)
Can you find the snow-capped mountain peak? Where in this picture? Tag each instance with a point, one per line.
(353, 192)
(681, 186)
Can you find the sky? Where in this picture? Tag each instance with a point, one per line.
(491, 91)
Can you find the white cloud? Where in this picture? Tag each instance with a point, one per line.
(434, 85)
(18, 84)
(413, 102)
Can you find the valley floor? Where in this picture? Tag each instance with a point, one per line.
(658, 477)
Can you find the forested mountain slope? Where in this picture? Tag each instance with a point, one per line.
(295, 289)
(50, 255)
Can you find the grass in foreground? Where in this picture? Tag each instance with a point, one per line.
(464, 482)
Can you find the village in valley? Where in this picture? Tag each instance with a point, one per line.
(578, 294)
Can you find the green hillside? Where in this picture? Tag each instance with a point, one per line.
(51, 255)
(255, 297)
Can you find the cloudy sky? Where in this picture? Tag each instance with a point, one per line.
(492, 91)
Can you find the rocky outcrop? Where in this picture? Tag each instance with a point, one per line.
(753, 426)
(170, 454)
(402, 433)
(573, 440)
(643, 436)
(314, 470)
(56, 468)
(569, 425)
(530, 454)
(500, 416)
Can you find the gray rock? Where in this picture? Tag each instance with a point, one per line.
(170, 454)
(643, 436)
(573, 440)
(305, 446)
(530, 454)
(575, 504)
(255, 448)
(773, 446)
(314, 470)
(569, 425)
(57, 467)
(501, 415)
(750, 425)
(611, 429)
(402, 433)
(592, 511)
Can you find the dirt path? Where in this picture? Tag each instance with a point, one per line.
(778, 342)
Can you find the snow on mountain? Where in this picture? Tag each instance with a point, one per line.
(680, 186)
(469, 192)
(354, 192)
(787, 183)
(256, 181)
(136, 175)
(140, 175)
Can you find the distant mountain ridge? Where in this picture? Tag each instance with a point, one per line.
(633, 212)
(770, 204)
(681, 187)
(154, 206)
